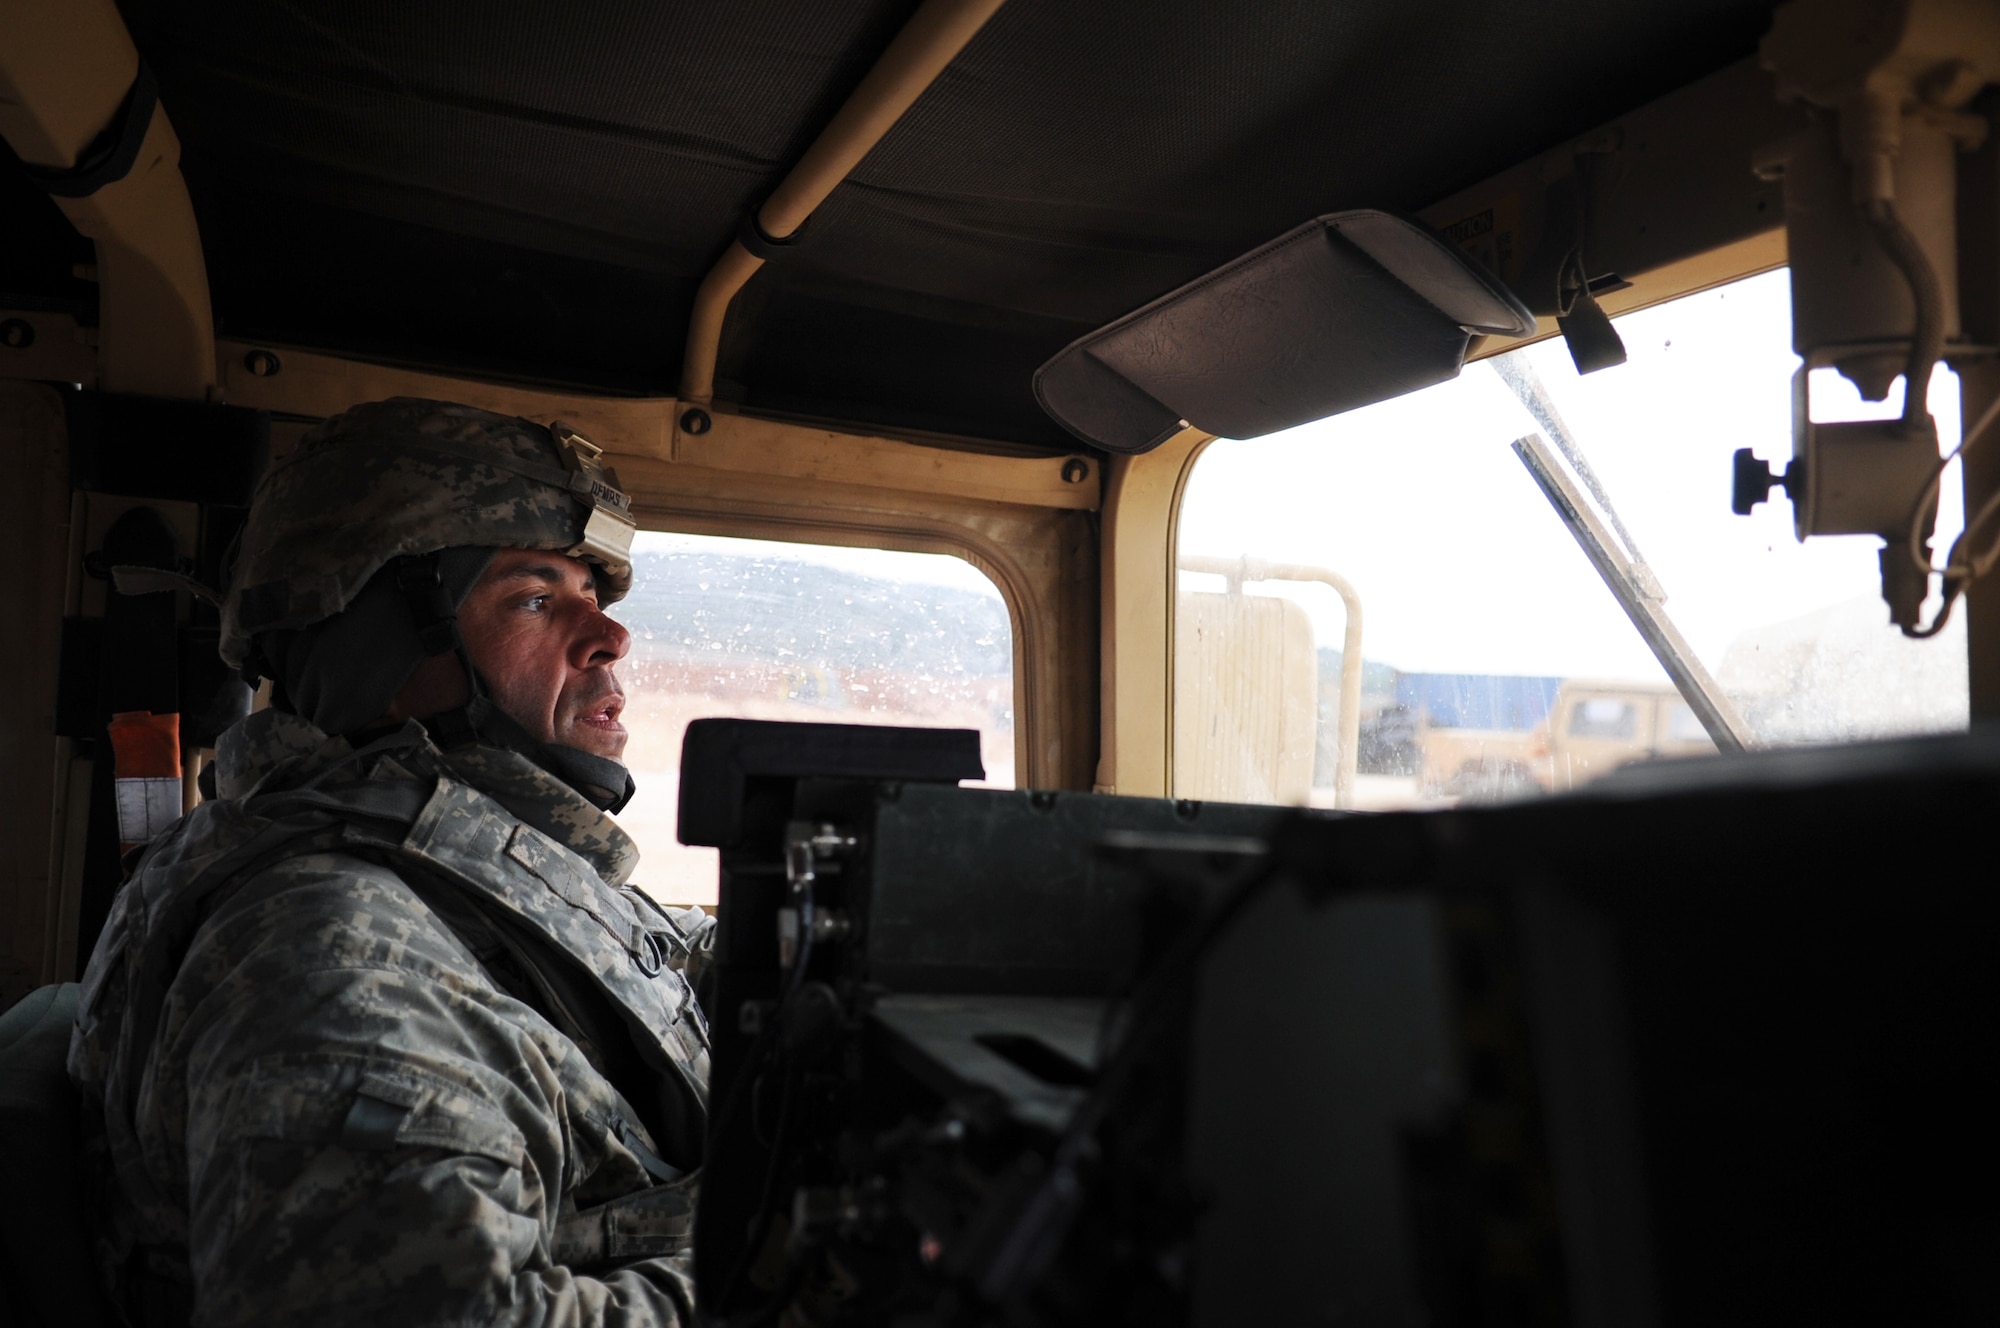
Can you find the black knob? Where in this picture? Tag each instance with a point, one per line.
(1754, 481)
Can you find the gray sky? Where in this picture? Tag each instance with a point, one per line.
(890, 565)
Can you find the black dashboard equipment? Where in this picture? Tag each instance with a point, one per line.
(911, 990)
(739, 768)
(1710, 1045)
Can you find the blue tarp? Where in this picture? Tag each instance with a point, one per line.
(1477, 700)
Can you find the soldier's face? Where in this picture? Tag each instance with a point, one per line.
(533, 628)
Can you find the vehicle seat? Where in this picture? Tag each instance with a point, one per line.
(47, 1276)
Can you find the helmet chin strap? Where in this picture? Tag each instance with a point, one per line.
(606, 784)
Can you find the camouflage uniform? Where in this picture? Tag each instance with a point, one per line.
(385, 1034)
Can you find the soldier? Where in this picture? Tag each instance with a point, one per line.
(380, 1032)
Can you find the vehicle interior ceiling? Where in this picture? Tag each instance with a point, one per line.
(517, 207)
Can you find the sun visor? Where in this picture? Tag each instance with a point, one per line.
(1346, 310)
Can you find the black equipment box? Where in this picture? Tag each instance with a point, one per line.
(1710, 1045)
(929, 944)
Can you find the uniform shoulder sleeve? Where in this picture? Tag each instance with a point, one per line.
(358, 1189)
(370, 1136)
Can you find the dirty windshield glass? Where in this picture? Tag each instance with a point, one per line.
(1493, 661)
(766, 630)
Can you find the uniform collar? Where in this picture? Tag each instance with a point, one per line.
(271, 750)
(548, 804)
(252, 752)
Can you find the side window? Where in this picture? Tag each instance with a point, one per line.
(1450, 640)
(767, 630)
(1605, 717)
(1683, 725)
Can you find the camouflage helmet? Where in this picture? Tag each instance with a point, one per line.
(410, 477)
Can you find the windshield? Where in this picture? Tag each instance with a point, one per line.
(1494, 661)
(760, 629)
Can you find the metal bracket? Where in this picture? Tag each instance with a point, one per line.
(809, 849)
(609, 530)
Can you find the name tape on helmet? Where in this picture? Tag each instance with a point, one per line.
(607, 534)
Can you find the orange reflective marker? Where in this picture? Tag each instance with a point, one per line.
(146, 773)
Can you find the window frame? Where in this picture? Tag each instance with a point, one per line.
(1026, 519)
(1142, 508)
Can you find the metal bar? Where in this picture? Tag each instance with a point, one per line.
(1515, 371)
(1348, 735)
(711, 306)
(932, 38)
(1717, 713)
(67, 67)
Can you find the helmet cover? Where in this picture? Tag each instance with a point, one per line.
(408, 477)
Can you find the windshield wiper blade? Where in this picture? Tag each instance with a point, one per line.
(1717, 713)
(1515, 371)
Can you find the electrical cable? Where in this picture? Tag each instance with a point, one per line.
(1957, 574)
(760, 1224)
(741, 1089)
(1960, 575)
(1566, 294)
(1927, 293)
(1966, 442)
(1926, 348)
(1585, 165)
(802, 900)
(1148, 1012)
(1982, 563)
(1937, 624)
